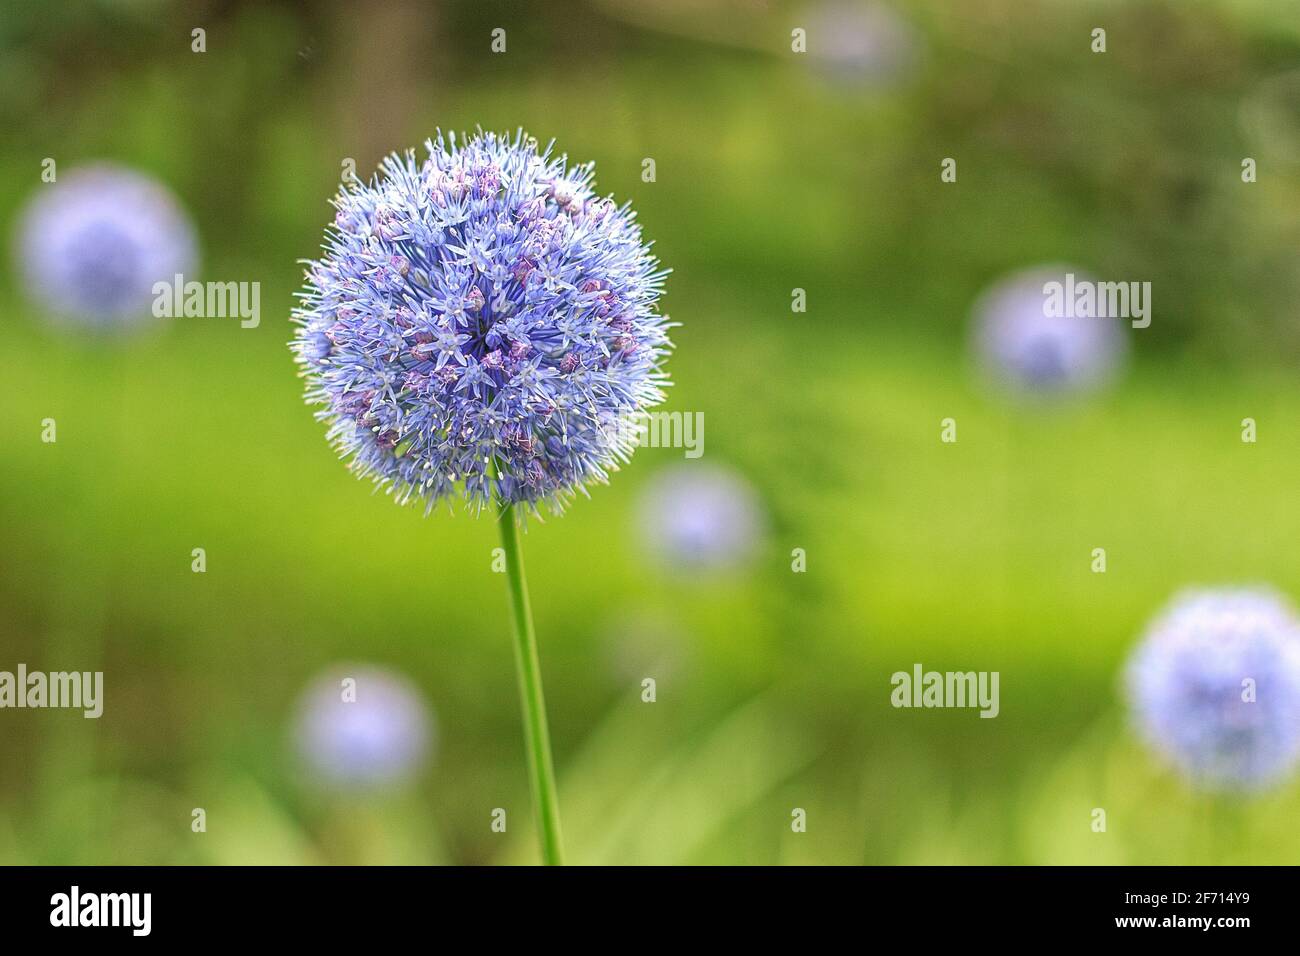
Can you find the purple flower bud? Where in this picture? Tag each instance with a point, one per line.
(488, 180)
(418, 382)
(539, 238)
(563, 192)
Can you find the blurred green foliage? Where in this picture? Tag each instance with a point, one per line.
(966, 556)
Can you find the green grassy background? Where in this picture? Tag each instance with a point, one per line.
(966, 556)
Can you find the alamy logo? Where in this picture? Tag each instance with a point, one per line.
(922, 688)
(209, 300)
(75, 908)
(74, 689)
(1085, 299)
(658, 430)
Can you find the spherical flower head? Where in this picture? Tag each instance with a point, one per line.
(1215, 686)
(1031, 351)
(93, 243)
(363, 728)
(701, 518)
(480, 324)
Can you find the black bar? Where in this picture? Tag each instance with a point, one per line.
(237, 904)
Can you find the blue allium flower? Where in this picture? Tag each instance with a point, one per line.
(482, 306)
(1029, 350)
(701, 517)
(93, 243)
(1215, 686)
(379, 737)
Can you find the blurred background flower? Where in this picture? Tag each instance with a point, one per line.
(864, 44)
(1215, 686)
(93, 243)
(362, 727)
(1026, 348)
(700, 518)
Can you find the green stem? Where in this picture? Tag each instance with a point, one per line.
(537, 738)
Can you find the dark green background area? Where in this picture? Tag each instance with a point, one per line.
(773, 686)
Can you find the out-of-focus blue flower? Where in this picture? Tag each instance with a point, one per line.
(861, 44)
(363, 728)
(1028, 350)
(1215, 686)
(701, 517)
(482, 304)
(93, 243)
